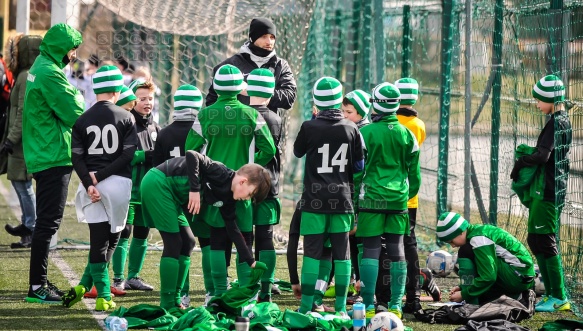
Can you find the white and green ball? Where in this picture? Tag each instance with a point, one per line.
(228, 80)
(409, 89)
(327, 93)
(260, 83)
(385, 98)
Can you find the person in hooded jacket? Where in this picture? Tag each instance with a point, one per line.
(259, 52)
(21, 51)
(51, 107)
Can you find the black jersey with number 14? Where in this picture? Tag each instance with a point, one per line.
(332, 146)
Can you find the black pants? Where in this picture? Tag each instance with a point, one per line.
(292, 247)
(412, 288)
(52, 186)
(102, 242)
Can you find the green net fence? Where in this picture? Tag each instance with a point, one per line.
(364, 42)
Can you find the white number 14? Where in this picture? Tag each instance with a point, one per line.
(339, 158)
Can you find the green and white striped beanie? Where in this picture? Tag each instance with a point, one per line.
(549, 89)
(260, 83)
(125, 96)
(107, 79)
(187, 102)
(327, 93)
(360, 100)
(450, 225)
(385, 98)
(228, 80)
(136, 83)
(409, 89)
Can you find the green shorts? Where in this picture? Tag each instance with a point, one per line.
(325, 223)
(135, 215)
(267, 212)
(198, 225)
(375, 224)
(543, 217)
(244, 213)
(160, 208)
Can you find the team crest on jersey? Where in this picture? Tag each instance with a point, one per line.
(390, 126)
(154, 135)
(218, 204)
(227, 107)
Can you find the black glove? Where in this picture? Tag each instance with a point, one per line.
(7, 148)
(515, 173)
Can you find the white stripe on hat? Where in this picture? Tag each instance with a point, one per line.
(328, 103)
(452, 229)
(377, 95)
(549, 94)
(446, 220)
(407, 85)
(100, 74)
(409, 96)
(257, 88)
(125, 94)
(107, 84)
(360, 103)
(188, 93)
(323, 93)
(228, 88)
(260, 78)
(188, 103)
(550, 83)
(228, 77)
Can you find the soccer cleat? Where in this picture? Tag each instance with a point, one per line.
(138, 284)
(207, 298)
(396, 310)
(42, 294)
(350, 300)
(429, 285)
(330, 291)
(542, 300)
(552, 305)
(352, 290)
(119, 284)
(24, 242)
(412, 307)
(275, 290)
(101, 304)
(18, 231)
(75, 295)
(370, 312)
(185, 301)
(92, 294)
(322, 308)
(55, 289)
(343, 316)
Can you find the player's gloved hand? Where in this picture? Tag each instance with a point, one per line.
(260, 266)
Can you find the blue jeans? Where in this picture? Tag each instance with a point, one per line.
(27, 201)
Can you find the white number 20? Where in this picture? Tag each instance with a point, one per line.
(339, 158)
(110, 147)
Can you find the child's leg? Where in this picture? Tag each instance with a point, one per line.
(100, 234)
(412, 289)
(467, 269)
(243, 268)
(323, 273)
(205, 247)
(170, 269)
(292, 247)
(370, 228)
(184, 259)
(218, 239)
(544, 248)
(342, 268)
(264, 245)
(398, 266)
(313, 244)
(139, 244)
(121, 252)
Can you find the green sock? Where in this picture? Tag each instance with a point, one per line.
(360, 252)
(183, 266)
(206, 270)
(398, 281)
(555, 268)
(87, 279)
(100, 276)
(219, 271)
(186, 285)
(542, 267)
(268, 257)
(310, 269)
(322, 281)
(243, 272)
(169, 269)
(342, 272)
(467, 274)
(138, 249)
(118, 260)
(369, 271)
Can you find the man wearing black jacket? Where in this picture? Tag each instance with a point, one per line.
(259, 52)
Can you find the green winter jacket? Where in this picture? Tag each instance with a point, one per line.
(51, 104)
(232, 133)
(531, 181)
(391, 174)
(491, 245)
(20, 60)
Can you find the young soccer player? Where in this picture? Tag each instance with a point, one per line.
(392, 177)
(544, 215)
(147, 131)
(127, 99)
(491, 261)
(333, 149)
(234, 134)
(260, 88)
(103, 144)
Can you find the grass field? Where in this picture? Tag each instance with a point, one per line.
(15, 314)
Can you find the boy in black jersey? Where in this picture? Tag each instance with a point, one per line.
(170, 144)
(147, 131)
(333, 149)
(103, 143)
(260, 87)
(180, 182)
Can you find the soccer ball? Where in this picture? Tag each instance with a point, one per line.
(440, 263)
(539, 285)
(385, 321)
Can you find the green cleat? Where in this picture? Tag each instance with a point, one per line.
(75, 295)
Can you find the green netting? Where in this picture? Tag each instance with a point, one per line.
(362, 43)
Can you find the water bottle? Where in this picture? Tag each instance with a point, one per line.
(115, 323)
(241, 323)
(358, 316)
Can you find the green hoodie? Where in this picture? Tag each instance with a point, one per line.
(51, 104)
